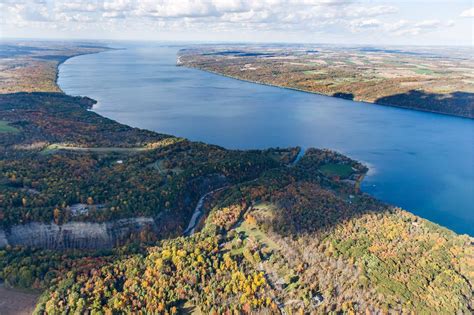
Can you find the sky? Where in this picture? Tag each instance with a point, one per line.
(402, 22)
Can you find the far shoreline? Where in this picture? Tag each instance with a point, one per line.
(322, 94)
(104, 49)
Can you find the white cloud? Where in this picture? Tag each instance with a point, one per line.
(118, 5)
(302, 17)
(403, 27)
(467, 13)
(33, 13)
(114, 15)
(176, 9)
(80, 6)
(372, 11)
(358, 25)
(428, 24)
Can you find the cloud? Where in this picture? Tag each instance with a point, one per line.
(298, 17)
(79, 6)
(177, 9)
(372, 11)
(33, 13)
(358, 25)
(428, 24)
(468, 13)
(404, 27)
(118, 5)
(114, 15)
(237, 12)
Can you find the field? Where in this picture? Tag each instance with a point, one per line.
(5, 127)
(343, 171)
(30, 67)
(436, 79)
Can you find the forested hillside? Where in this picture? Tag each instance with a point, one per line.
(294, 240)
(267, 231)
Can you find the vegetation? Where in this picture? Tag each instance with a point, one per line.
(180, 273)
(292, 240)
(32, 67)
(37, 269)
(341, 170)
(5, 127)
(279, 236)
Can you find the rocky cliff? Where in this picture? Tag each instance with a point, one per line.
(84, 235)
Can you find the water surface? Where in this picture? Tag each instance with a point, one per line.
(420, 161)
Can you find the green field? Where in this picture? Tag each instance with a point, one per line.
(341, 170)
(54, 148)
(424, 71)
(251, 230)
(5, 127)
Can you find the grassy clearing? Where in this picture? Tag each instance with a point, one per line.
(6, 128)
(162, 169)
(424, 71)
(341, 170)
(53, 148)
(251, 230)
(312, 72)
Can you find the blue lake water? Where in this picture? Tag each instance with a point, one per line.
(422, 162)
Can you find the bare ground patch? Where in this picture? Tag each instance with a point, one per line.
(16, 302)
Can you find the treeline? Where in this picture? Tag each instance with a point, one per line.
(101, 170)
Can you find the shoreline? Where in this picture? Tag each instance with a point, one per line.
(322, 94)
(70, 57)
(359, 182)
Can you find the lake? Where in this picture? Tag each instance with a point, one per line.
(422, 162)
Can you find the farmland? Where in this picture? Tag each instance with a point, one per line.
(432, 79)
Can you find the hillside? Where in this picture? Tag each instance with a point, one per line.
(294, 240)
(281, 231)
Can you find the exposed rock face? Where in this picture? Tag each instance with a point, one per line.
(84, 235)
(3, 239)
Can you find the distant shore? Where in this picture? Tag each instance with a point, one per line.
(79, 54)
(319, 93)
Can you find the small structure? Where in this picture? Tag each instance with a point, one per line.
(318, 299)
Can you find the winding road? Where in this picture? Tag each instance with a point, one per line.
(198, 212)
